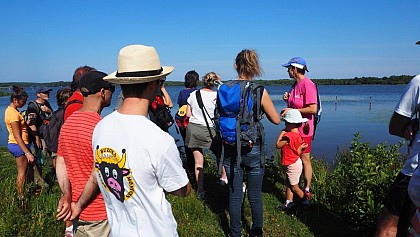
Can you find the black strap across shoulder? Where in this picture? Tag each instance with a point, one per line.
(201, 105)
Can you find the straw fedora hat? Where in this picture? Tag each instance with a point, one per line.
(138, 64)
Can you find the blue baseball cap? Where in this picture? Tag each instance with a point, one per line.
(297, 62)
(44, 90)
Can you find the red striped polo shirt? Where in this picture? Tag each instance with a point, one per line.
(75, 145)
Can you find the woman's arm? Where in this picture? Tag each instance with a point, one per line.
(17, 134)
(309, 109)
(269, 109)
(189, 112)
(166, 97)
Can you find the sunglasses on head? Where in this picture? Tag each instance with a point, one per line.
(110, 88)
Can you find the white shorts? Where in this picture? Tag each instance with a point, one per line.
(294, 171)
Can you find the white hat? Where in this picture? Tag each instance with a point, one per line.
(294, 116)
(138, 64)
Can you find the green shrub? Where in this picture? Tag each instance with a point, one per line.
(360, 180)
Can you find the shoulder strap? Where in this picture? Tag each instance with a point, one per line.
(201, 105)
(37, 106)
(259, 90)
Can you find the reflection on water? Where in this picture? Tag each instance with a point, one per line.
(345, 112)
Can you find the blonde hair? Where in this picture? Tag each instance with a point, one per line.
(209, 79)
(248, 64)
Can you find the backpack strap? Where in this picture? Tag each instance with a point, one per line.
(37, 107)
(259, 90)
(201, 105)
(245, 90)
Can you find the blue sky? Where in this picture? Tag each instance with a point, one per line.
(45, 41)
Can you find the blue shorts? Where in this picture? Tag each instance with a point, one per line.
(15, 150)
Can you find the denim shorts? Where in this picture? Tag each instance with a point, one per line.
(15, 150)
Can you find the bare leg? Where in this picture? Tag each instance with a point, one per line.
(199, 164)
(296, 190)
(289, 193)
(22, 165)
(223, 176)
(307, 168)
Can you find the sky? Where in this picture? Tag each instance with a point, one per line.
(44, 41)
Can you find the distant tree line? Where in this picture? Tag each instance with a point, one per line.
(392, 80)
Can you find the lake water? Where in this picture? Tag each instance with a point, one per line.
(346, 110)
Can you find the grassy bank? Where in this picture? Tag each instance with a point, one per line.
(210, 218)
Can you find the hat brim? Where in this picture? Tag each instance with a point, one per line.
(46, 91)
(138, 80)
(303, 120)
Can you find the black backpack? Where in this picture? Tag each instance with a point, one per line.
(160, 114)
(41, 115)
(51, 131)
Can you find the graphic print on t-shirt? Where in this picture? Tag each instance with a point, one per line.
(112, 171)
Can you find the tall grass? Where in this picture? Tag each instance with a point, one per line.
(326, 217)
(37, 216)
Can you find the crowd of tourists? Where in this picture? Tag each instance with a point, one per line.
(114, 172)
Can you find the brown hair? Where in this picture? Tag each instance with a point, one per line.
(18, 93)
(78, 74)
(62, 96)
(248, 64)
(209, 79)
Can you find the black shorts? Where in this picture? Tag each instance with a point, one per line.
(397, 200)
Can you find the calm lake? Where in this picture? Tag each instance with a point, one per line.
(347, 109)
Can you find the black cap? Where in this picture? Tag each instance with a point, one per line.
(92, 82)
(44, 90)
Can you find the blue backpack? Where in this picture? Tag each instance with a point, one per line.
(238, 114)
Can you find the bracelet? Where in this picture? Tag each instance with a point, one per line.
(27, 153)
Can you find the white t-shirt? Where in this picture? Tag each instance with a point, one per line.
(135, 163)
(209, 101)
(408, 107)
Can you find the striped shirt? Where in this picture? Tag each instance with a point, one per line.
(75, 145)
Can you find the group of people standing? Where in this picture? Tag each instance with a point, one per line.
(114, 172)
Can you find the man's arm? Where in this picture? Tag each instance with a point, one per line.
(398, 126)
(64, 205)
(89, 193)
(182, 192)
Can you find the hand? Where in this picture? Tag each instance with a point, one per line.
(46, 109)
(30, 157)
(408, 133)
(284, 111)
(286, 95)
(75, 211)
(303, 146)
(31, 119)
(38, 142)
(64, 208)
